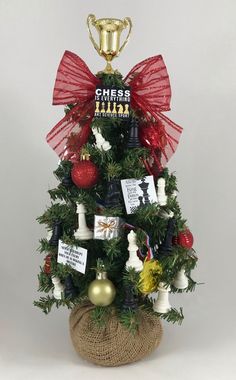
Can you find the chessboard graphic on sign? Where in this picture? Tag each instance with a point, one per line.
(112, 102)
(138, 193)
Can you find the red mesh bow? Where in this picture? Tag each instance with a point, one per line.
(74, 84)
(150, 95)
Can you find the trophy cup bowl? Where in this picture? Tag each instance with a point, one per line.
(109, 31)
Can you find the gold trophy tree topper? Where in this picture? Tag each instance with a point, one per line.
(109, 30)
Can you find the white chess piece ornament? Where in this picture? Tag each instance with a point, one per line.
(83, 232)
(161, 195)
(181, 280)
(133, 260)
(162, 305)
(58, 290)
(101, 143)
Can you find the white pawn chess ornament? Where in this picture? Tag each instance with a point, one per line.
(101, 143)
(49, 235)
(58, 290)
(162, 304)
(83, 232)
(167, 215)
(161, 195)
(174, 194)
(181, 280)
(133, 260)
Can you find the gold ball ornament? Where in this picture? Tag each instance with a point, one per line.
(101, 292)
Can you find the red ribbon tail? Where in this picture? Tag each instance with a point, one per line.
(172, 134)
(75, 123)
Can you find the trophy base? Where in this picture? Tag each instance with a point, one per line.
(108, 69)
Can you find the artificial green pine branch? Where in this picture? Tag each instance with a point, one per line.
(45, 246)
(113, 170)
(130, 319)
(174, 262)
(63, 169)
(100, 315)
(46, 303)
(112, 80)
(113, 248)
(173, 315)
(171, 182)
(132, 163)
(61, 212)
(190, 288)
(131, 276)
(45, 282)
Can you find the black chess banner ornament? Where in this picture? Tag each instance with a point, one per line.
(112, 102)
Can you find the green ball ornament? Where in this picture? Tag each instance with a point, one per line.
(101, 292)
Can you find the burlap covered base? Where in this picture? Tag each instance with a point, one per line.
(113, 345)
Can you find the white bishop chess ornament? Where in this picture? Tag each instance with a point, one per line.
(133, 260)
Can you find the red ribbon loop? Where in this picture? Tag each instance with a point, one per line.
(150, 95)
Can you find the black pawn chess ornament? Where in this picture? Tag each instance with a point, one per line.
(166, 246)
(144, 187)
(141, 204)
(67, 181)
(70, 290)
(131, 301)
(113, 193)
(133, 141)
(56, 233)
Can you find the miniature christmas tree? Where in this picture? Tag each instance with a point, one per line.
(118, 234)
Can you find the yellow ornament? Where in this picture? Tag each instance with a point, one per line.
(150, 276)
(101, 292)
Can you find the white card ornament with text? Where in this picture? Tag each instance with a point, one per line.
(138, 192)
(74, 256)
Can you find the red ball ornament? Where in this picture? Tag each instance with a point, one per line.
(184, 239)
(85, 173)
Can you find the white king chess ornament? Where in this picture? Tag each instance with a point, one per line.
(83, 232)
(133, 260)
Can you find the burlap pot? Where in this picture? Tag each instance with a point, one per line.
(112, 345)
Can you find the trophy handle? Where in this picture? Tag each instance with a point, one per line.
(91, 20)
(127, 22)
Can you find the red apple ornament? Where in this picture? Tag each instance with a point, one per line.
(85, 173)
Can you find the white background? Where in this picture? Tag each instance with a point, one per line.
(197, 40)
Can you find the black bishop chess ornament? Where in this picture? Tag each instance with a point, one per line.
(133, 141)
(166, 246)
(56, 233)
